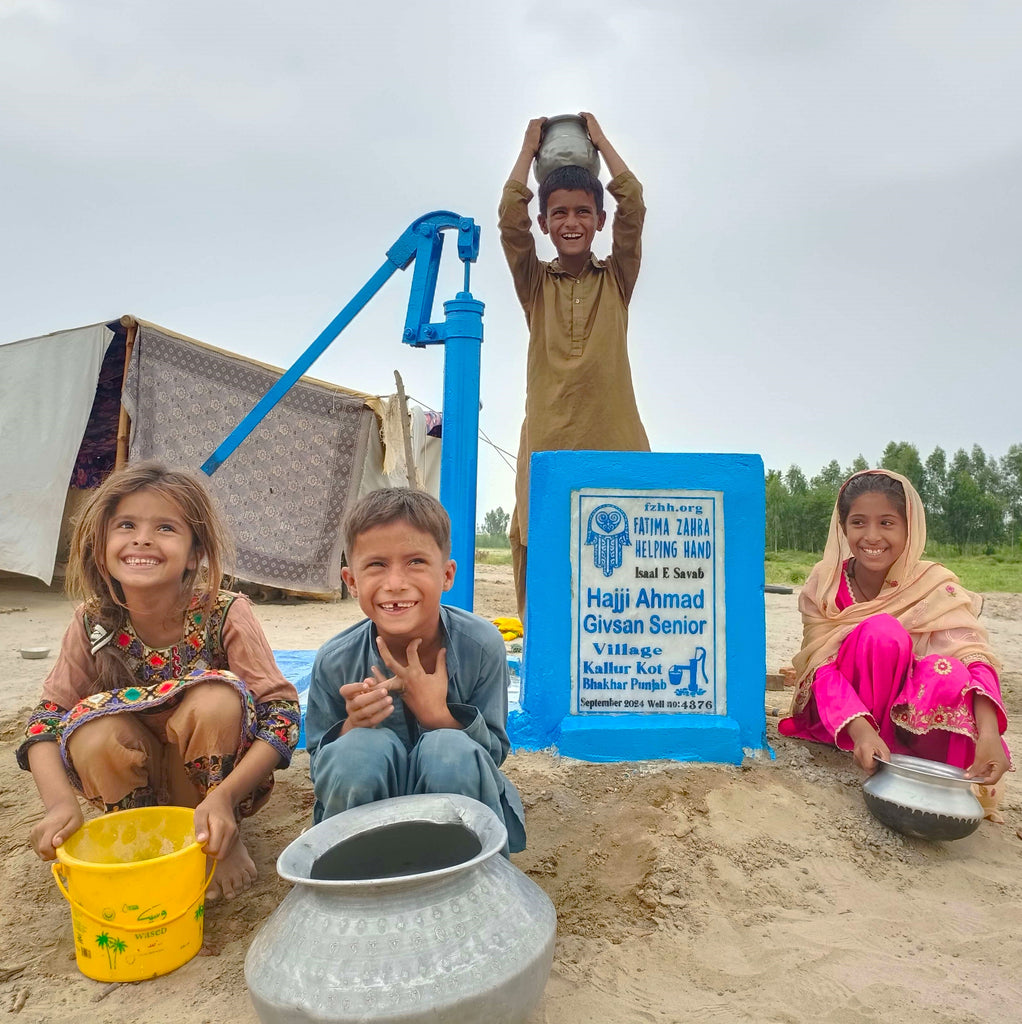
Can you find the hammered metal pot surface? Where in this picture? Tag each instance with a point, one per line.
(565, 142)
(923, 799)
(471, 941)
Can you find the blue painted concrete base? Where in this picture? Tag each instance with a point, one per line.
(633, 737)
(730, 484)
(650, 738)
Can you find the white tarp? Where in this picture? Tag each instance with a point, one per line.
(386, 465)
(47, 386)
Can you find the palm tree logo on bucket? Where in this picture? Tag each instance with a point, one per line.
(112, 947)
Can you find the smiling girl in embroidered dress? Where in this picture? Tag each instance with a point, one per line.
(893, 657)
(165, 690)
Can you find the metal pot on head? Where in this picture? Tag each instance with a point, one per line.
(565, 142)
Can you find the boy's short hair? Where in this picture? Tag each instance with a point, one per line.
(390, 504)
(573, 179)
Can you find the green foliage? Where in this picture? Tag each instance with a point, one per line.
(983, 573)
(973, 502)
(1000, 570)
(903, 458)
(789, 568)
(495, 521)
(493, 556)
(492, 540)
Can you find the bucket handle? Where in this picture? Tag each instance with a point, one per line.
(58, 877)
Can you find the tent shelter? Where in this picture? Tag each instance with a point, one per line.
(76, 404)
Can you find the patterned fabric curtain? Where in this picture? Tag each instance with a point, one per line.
(286, 488)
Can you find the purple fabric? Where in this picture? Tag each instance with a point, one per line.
(98, 451)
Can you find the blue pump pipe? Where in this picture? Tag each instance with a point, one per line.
(461, 334)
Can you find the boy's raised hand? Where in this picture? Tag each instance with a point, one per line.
(596, 135)
(425, 693)
(367, 703)
(611, 157)
(530, 147)
(533, 134)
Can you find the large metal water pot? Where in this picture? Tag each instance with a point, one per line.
(564, 142)
(923, 799)
(403, 911)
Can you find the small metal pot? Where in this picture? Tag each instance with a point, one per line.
(923, 799)
(565, 142)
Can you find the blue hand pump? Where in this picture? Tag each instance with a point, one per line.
(461, 334)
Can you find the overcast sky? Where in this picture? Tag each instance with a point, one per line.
(831, 255)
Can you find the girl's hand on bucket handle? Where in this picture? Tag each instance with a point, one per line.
(61, 820)
(215, 826)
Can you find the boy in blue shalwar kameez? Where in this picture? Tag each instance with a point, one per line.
(414, 698)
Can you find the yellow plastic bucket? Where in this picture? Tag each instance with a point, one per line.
(136, 881)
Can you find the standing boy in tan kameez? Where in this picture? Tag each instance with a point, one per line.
(578, 380)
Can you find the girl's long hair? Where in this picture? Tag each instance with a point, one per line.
(88, 577)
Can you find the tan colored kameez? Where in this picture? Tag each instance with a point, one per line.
(579, 393)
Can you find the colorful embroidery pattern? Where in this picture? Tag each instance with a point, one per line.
(144, 796)
(150, 698)
(163, 677)
(950, 719)
(200, 648)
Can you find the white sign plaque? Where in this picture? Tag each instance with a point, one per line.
(648, 631)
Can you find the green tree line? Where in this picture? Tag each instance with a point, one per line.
(973, 501)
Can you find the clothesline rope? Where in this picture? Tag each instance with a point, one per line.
(505, 456)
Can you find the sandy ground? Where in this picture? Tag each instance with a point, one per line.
(683, 892)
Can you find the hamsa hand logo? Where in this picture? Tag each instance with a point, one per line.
(607, 534)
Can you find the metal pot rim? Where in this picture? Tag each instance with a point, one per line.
(295, 862)
(925, 770)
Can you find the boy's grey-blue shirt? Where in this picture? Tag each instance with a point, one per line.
(477, 685)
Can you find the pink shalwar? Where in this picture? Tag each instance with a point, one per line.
(922, 707)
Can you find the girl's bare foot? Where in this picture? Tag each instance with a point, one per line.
(989, 798)
(233, 875)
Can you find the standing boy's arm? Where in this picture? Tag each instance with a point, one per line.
(629, 211)
(530, 147)
(514, 223)
(515, 226)
(615, 165)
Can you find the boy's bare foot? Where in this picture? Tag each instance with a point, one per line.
(234, 874)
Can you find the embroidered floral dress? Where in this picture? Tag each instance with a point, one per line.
(921, 706)
(227, 647)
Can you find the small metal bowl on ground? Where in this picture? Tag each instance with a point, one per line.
(922, 799)
(33, 653)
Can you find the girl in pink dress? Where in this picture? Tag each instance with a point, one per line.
(893, 656)
(165, 690)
